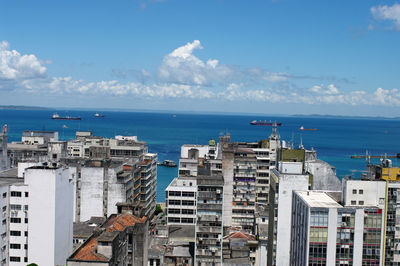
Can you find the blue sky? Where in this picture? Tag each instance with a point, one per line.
(285, 57)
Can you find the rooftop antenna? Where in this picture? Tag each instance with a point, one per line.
(64, 127)
(274, 134)
(301, 142)
(292, 144)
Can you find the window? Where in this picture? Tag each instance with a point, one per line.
(361, 191)
(25, 207)
(16, 194)
(4, 222)
(26, 233)
(187, 220)
(187, 194)
(174, 193)
(15, 233)
(4, 195)
(4, 208)
(174, 202)
(187, 211)
(188, 202)
(15, 207)
(26, 194)
(15, 259)
(26, 259)
(361, 202)
(25, 246)
(174, 220)
(354, 191)
(174, 211)
(353, 202)
(15, 246)
(26, 220)
(15, 220)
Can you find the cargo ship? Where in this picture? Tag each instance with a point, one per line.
(55, 116)
(264, 123)
(302, 128)
(168, 163)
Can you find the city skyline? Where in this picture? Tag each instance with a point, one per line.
(218, 56)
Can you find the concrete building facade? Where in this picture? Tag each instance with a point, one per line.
(180, 199)
(50, 204)
(325, 232)
(209, 224)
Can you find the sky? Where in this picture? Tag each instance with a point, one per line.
(270, 57)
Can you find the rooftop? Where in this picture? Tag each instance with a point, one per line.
(9, 176)
(242, 235)
(114, 224)
(318, 199)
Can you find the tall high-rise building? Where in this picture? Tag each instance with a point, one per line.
(37, 213)
(209, 224)
(326, 231)
(4, 161)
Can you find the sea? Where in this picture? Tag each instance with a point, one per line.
(335, 139)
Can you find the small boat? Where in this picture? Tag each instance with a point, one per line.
(55, 116)
(98, 115)
(168, 163)
(302, 128)
(264, 123)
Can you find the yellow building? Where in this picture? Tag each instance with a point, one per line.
(389, 173)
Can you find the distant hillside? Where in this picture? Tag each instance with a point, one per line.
(346, 117)
(23, 107)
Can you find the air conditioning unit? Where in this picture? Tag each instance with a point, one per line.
(218, 191)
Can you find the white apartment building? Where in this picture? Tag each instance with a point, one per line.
(325, 232)
(18, 223)
(38, 137)
(37, 209)
(119, 147)
(284, 180)
(180, 199)
(194, 157)
(50, 214)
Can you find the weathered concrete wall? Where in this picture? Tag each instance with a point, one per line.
(324, 176)
(227, 172)
(91, 192)
(116, 192)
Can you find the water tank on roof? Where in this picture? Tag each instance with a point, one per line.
(211, 142)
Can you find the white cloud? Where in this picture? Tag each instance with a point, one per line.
(185, 77)
(329, 90)
(14, 66)
(182, 66)
(390, 13)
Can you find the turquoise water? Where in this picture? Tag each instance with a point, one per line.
(335, 140)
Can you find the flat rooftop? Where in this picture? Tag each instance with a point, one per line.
(8, 177)
(318, 199)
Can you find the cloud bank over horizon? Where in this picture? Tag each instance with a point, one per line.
(183, 75)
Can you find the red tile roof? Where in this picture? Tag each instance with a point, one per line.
(240, 235)
(88, 251)
(120, 222)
